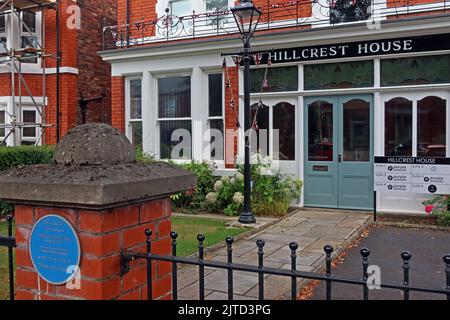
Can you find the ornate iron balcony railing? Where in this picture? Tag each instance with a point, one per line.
(288, 15)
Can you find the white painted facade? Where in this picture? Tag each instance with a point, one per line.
(198, 58)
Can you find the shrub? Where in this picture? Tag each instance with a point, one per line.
(24, 155)
(194, 199)
(439, 207)
(272, 193)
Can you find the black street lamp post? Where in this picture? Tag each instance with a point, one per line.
(247, 17)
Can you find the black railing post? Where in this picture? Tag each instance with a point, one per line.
(148, 233)
(174, 237)
(328, 251)
(201, 267)
(230, 242)
(406, 256)
(261, 244)
(365, 253)
(10, 259)
(294, 247)
(447, 273)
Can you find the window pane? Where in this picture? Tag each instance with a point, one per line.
(174, 97)
(217, 149)
(2, 24)
(357, 130)
(135, 99)
(2, 121)
(339, 75)
(215, 95)
(349, 10)
(415, 71)
(431, 123)
(279, 79)
(212, 5)
(29, 21)
(320, 135)
(262, 131)
(181, 7)
(167, 129)
(398, 127)
(29, 116)
(136, 133)
(284, 122)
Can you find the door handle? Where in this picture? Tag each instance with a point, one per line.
(340, 158)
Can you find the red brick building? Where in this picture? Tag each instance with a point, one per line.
(349, 80)
(29, 38)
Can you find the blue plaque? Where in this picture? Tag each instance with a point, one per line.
(55, 249)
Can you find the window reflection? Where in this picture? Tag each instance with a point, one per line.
(320, 136)
(357, 131)
(398, 127)
(284, 122)
(431, 123)
(262, 129)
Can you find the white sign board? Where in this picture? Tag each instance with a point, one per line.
(412, 175)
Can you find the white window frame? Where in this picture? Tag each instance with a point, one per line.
(209, 118)
(21, 33)
(159, 120)
(198, 5)
(415, 98)
(37, 139)
(128, 119)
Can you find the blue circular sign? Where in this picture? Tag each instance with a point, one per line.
(55, 249)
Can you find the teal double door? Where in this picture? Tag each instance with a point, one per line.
(339, 137)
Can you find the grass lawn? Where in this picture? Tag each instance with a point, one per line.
(188, 228)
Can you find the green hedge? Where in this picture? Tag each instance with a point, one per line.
(24, 155)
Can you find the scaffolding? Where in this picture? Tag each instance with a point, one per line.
(13, 54)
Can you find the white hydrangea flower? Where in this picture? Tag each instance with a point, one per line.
(211, 198)
(239, 177)
(233, 180)
(218, 186)
(238, 198)
(225, 179)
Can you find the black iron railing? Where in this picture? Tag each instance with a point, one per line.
(10, 243)
(261, 270)
(290, 14)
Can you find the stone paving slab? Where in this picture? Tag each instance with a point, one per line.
(312, 229)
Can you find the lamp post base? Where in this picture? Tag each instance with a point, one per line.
(247, 218)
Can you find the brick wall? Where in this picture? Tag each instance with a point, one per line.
(118, 103)
(94, 78)
(78, 50)
(103, 234)
(231, 138)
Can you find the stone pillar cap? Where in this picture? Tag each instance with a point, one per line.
(94, 167)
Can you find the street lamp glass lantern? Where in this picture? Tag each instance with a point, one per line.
(247, 17)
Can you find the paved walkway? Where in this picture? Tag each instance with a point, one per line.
(427, 267)
(312, 229)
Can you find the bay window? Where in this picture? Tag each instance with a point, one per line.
(215, 115)
(174, 117)
(135, 112)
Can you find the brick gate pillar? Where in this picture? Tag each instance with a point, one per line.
(96, 194)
